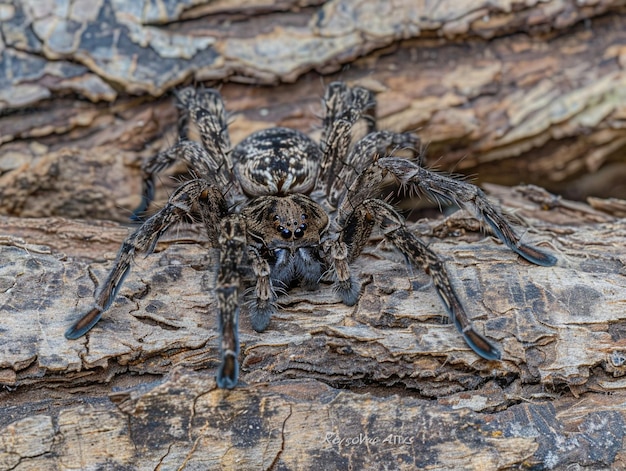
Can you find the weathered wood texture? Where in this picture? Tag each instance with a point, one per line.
(417, 395)
(506, 92)
(531, 91)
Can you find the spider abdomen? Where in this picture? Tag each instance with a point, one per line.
(276, 161)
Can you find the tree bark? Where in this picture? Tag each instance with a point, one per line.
(384, 381)
(532, 91)
(532, 94)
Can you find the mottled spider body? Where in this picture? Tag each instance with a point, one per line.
(276, 161)
(296, 212)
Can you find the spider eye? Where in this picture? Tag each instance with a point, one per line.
(285, 233)
(298, 233)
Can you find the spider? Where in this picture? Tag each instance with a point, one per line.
(295, 211)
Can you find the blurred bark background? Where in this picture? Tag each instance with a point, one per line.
(505, 92)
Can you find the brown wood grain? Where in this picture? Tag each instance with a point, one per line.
(505, 92)
(538, 104)
(415, 394)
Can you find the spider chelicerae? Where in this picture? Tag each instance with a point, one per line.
(295, 211)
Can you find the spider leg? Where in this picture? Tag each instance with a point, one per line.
(346, 286)
(188, 151)
(418, 179)
(263, 305)
(233, 248)
(373, 211)
(144, 239)
(343, 107)
(205, 110)
(363, 153)
(470, 197)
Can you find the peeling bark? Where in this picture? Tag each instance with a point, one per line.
(530, 91)
(148, 47)
(417, 396)
(529, 95)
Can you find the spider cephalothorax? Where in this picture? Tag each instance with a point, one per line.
(294, 211)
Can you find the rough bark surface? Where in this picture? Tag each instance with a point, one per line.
(509, 91)
(382, 382)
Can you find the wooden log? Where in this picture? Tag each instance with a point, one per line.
(382, 382)
(527, 91)
(109, 47)
(529, 94)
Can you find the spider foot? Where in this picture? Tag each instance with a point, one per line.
(84, 324)
(147, 196)
(348, 290)
(260, 315)
(535, 255)
(228, 373)
(457, 314)
(481, 345)
(528, 252)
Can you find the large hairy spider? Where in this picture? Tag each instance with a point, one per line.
(295, 211)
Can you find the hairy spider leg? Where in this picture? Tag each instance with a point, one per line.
(358, 213)
(416, 178)
(212, 206)
(233, 248)
(187, 151)
(263, 306)
(346, 286)
(205, 108)
(363, 153)
(343, 107)
(376, 212)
